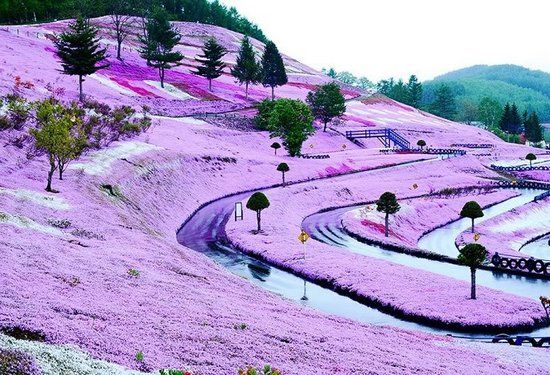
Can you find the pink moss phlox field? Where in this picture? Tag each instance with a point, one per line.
(424, 294)
(507, 233)
(417, 216)
(66, 257)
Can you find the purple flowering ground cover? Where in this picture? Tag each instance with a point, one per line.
(101, 269)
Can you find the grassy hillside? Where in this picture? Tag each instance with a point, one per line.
(530, 89)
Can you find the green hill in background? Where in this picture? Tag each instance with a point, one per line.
(529, 89)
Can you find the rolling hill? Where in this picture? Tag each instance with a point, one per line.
(529, 89)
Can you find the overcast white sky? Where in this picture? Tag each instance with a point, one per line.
(384, 38)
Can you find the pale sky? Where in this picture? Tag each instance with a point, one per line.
(383, 38)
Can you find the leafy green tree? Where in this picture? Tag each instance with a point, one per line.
(472, 255)
(211, 61)
(257, 203)
(283, 168)
(414, 91)
(80, 52)
(421, 143)
(264, 113)
(473, 211)
(273, 68)
(158, 42)
(292, 121)
(531, 157)
(467, 111)
(56, 136)
(347, 78)
(326, 103)
(365, 83)
(489, 112)
(387, 203)
(275, 146)
(247, 69)
(445, 103)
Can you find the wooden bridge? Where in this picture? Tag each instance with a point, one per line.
(386, 136)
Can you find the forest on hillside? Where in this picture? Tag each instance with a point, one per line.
(529, 89)
(214, 13)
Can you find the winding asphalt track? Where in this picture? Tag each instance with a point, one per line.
(204, 232)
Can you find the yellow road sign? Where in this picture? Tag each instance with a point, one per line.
(303, 237)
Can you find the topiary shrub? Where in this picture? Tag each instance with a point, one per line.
(15, 362)
(472, 255)
(258, 202)
(531, 157)
(283, 168)
(421, 143)
(473, 211)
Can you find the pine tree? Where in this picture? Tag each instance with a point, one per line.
(414, 91)
(80, 52)
(211, 61)
(247, 70)
(505, 120)
(444, 104)
(533, 129)
(515, 120)
(273, 68)
(158, 43)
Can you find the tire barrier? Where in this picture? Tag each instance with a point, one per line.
(531, 265)
(306, 156)
(430, 151)
(473, 145)
(520, 168)
(527, 184)
(536, 342)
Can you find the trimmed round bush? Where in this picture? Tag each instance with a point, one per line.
(15, 362)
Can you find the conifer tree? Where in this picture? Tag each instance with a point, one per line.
(444, 104)
(515, 120)
(211, 61)
(414, 91)
(247, 70)
(158, 43)
(273, 68)
(533, 129)
(80, 52)
(505, 120)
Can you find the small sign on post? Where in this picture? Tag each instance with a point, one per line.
(239, 211)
